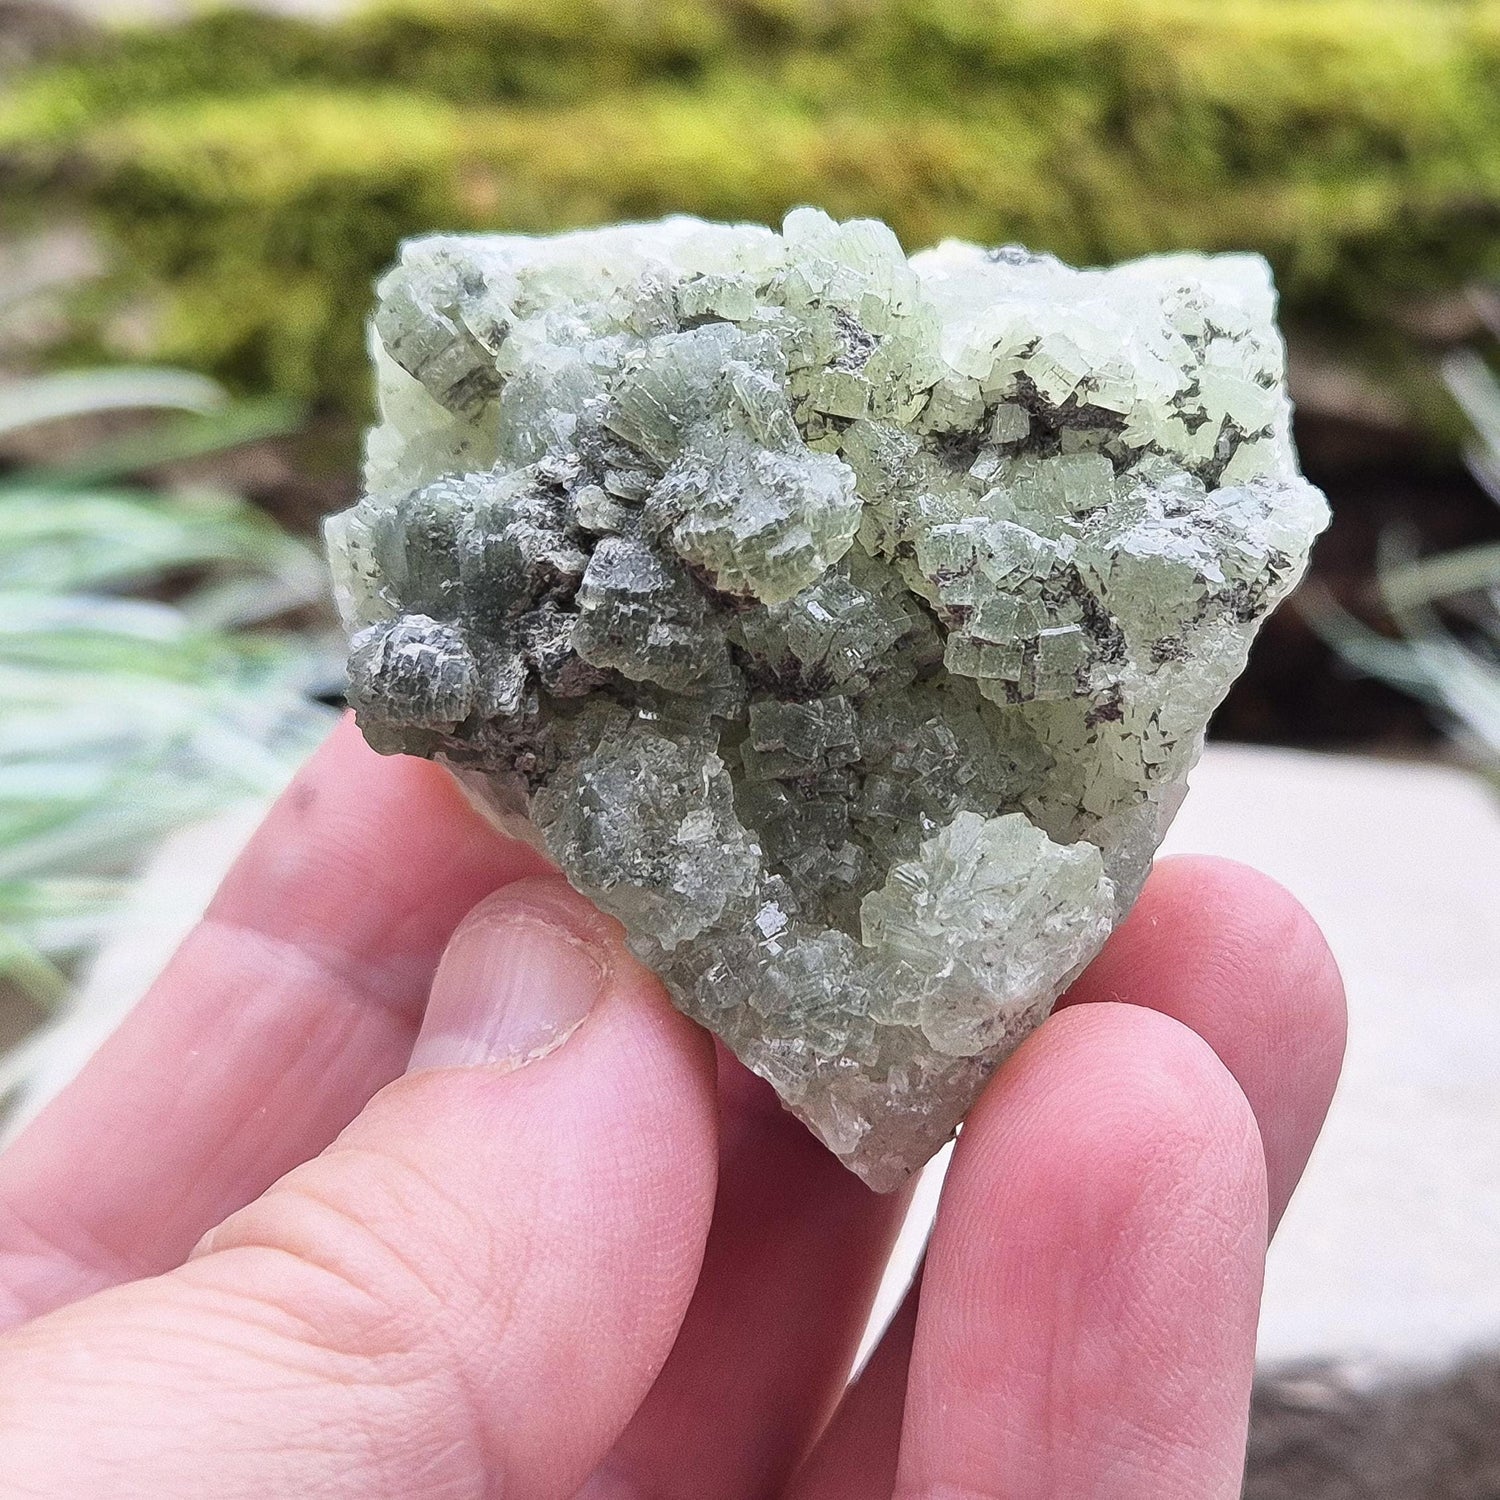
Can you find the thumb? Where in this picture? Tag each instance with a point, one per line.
(468, 1293)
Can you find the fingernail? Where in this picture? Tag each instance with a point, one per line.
(512, 986)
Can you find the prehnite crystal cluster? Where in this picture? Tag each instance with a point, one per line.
(843, 623)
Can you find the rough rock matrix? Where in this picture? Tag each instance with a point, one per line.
(843, 623)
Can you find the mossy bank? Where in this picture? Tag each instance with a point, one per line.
(251, 174)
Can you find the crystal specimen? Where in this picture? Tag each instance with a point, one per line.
(845, 624)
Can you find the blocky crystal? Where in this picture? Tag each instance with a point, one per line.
(845, 624)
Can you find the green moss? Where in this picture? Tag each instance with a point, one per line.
(255, 173)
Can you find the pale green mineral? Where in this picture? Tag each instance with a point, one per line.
(845, 624)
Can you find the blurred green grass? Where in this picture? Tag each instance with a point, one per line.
(145, 682)
(1443, 648)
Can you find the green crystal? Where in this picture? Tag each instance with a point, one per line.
(845, 624)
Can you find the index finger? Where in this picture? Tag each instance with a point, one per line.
(293, 1001)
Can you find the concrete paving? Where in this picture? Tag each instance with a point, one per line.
(1391, 1248)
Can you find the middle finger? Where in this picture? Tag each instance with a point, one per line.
(793, 1262)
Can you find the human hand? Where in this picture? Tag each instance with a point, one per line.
(252, 1253)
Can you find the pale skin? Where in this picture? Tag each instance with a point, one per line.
(249, 1255)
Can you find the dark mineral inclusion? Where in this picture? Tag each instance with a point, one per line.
(843, 623)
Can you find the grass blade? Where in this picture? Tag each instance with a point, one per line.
(50, 398)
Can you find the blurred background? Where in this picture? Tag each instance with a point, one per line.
(194, 203)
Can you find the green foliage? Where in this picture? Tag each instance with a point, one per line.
(255, 172)
(1456, 676)
(129, 709)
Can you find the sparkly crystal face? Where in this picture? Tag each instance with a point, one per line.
(843, 623)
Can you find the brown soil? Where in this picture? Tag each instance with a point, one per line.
(1326, 1433)
(1295, 690)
